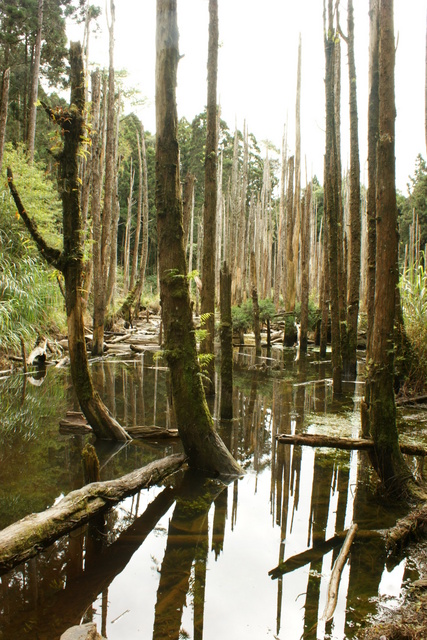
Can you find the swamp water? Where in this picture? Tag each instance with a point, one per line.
(196, 559)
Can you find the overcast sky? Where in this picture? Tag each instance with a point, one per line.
(257, 69)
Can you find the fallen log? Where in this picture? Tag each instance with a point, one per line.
(75, 424)
(315, 440)
(411, 400)
(152, 432)
(408, 529)
(25, 538)
(336, 574)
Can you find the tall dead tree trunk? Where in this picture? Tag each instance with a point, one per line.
(332, 195)
(70, 260)
(289, 273)
(350, 359)
(205, 449)
(207, 305)
(255, 305)
(226, 333)
(387, 458)
(100, 286)
(35, 83)
(305, 266)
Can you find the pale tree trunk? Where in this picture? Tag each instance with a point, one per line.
(96, 190)
(188, 204)
(297, 194)
(305, 266)
(144, 248)
(107, 213)
(387, 458)
(3, 111)
(70, 260)
(350, 362)
(226, 332)
(35, 84)
(289, 275)
(135, 253)
(201, 443)
(207, 301)
(111, 284)
(126, 250)
(255, 306)
(332, 196)
(324, 289)
(281, 232)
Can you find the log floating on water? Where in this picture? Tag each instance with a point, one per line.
(315, 440)
(152, 432)
(336, 574)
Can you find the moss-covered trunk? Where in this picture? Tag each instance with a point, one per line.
(203, 446)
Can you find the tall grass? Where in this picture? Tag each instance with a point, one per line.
(413, 294)
(30, 300)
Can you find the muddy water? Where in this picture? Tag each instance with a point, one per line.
(198, 559)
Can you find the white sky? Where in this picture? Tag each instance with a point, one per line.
(257, 69)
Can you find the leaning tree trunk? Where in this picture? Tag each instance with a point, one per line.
(207, 306)
(205, 449)
(387, 458)
(70, 260)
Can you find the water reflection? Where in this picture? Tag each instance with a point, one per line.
(199, 560)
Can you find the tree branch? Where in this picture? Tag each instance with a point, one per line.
(51, 255)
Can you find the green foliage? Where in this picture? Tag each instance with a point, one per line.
(415, 202)
(30, 300)
(242, 316)
(267, 310)
(413, 292)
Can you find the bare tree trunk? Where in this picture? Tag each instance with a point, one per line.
(126, 250)
(3, 111)
(289, 235)
(281, 232)
(297, 195)
(350, 363)
(255, 306)
(305, 267)
(209, 212)
(35, 83)
(112, 271)
(204, 448)
(226, 345)
(332, 195)
(107, 213)
(188, 204)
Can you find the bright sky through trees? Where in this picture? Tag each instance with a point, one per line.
(257, 69)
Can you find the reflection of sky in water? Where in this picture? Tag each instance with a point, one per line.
(240, 596)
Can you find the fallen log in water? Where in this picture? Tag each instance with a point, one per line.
(28, 536)
(408, 529)
(336, 574)
(152, 432)
(314, 440)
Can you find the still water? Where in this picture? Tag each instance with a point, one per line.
(196, 559)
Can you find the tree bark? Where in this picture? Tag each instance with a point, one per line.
(387, 458)
(207, 306)
(350, 359)
(35, 84)
(305, 266)
(203, 446)
(332, 196)
(25, 538)
(255, 306)
(226, 333)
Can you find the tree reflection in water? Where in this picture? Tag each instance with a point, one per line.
(218, 544)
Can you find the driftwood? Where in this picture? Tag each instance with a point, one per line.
(408, 529)
(28, 536)
(82, 632)
(153, 432)
(313, 440)
(336, 574)
(38, 354)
